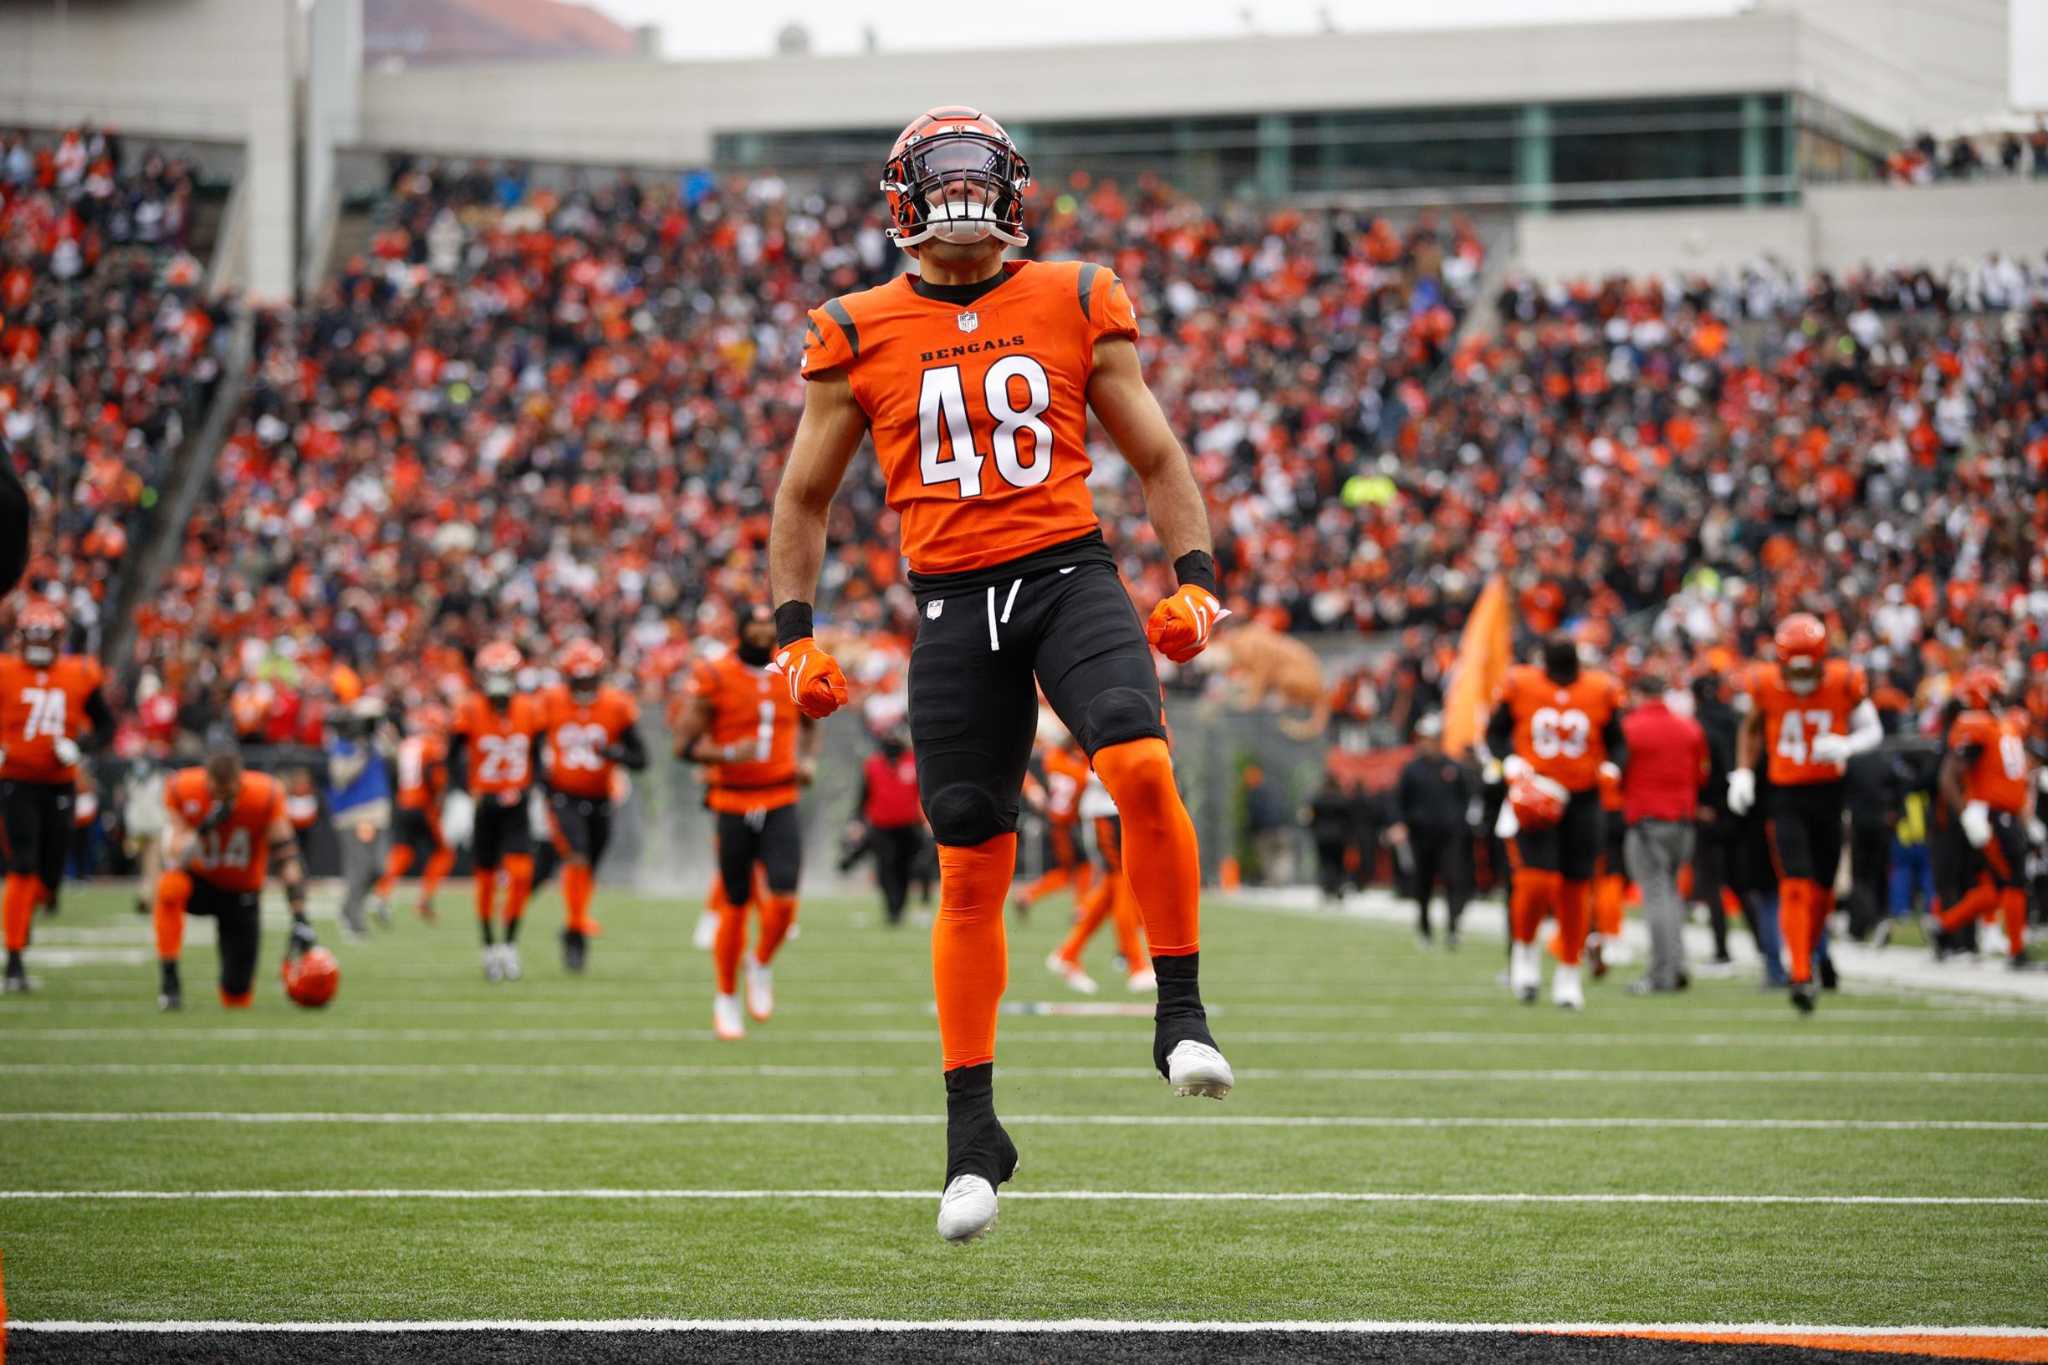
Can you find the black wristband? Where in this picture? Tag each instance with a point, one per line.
(1198, 568)
(792, 622)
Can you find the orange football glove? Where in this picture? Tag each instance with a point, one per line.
(815, 683)
(1181, 625)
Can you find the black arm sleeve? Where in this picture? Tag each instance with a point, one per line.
(102, 717)
(458, 763)
(632, 749)
(1616, 741)
(1500, 731)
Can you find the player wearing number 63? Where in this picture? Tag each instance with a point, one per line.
(51, 711)
(591, 730)
(1808, 716)
(742, 724)
(975, 377)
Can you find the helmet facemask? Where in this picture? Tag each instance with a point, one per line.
(958, 187)
(1801, 673)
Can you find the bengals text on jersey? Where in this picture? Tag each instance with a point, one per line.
(1792, 720)
(233, 850)
(979, 411)
(578, 732)
(500, 744)
(1995, 748)
(750, 708)
(1560, 728)
(39, 707)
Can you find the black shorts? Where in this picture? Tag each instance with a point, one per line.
(583, 826)
(35, 828)
(417, 831)
(1571, 847)
(500, 830)
(1804, 826)
(237, 927)
(2004, 859)
(772, 838)
(981, 658)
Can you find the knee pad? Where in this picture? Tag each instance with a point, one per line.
(1118, 715)
(964, 815)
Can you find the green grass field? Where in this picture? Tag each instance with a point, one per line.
(1376, 1047)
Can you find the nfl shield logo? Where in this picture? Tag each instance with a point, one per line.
(968, 321)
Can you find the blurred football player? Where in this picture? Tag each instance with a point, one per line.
(975, 378)
(422, 784)
(225, 828)
(493, 755)
(1808, 716)
(1558, 726)
(1067, 863)
(1987, 778)
(51, 712)
(1109, 897)
(592, 731)
(742, 722)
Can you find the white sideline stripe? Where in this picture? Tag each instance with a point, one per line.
(655, 1120)
(1061, 1326)
(1077, 1073)
(1049, 1196)
(1017, 1036)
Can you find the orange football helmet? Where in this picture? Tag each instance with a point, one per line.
(955, 147)
(1979, 688)
(42, 626)
(1802, 643)
(1536, 802)
(497, 667)
(312, 978)
(583, 665)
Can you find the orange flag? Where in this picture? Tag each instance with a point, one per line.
(1484, 653)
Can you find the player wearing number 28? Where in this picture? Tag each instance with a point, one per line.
(1808, 716)
(975, 377)
(48, 704)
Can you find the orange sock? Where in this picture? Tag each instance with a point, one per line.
(1979, 899)
(2012, 904)
(776, 916)
(970, 955)
(1531, 897)
(173, 893)
(1609, 905)
(730, 942)
(1130, 937)
(18, 907)
(395, 864)
(1083, 880)
(576, 896)
(1795, 926)
(438, 864)
(518, 885)
(1088, 917)
(486, 892)
(1139, 775)
(1572, 913)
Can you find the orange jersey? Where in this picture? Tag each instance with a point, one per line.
(234, 853)
(979, 411)
(1066, 774)
(749, 706)
(422, 771)
(38, 707)
(578, 733)
(1793, 720)
(1997, 775)
(500, 743)
(1561, 731)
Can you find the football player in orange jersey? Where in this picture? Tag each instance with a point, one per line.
(592, 729)
(1987, 778)
(225, 827)
(422, 782)
(759, 749)
(1808, 716)
(1558, 726)
(1109, 898)
(49, 703)
(493, 754)
(975, 377)
(1066, 774)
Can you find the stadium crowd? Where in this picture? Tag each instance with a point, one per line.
(1926, 159)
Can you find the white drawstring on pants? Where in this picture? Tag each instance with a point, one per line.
(994, 641)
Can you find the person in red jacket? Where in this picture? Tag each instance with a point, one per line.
(1659, 790)
(892, 818)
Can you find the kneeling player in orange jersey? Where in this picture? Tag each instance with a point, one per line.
(1109, 898)
(1987, 777)
(743, 724)
(225, 826)
(422, 782)
(492, 750)
(592, 730)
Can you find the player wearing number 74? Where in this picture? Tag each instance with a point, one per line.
(975, 377)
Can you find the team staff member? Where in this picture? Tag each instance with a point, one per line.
(359, 800)
(892, 818)
(591, 730)
(224, 828)
(1432, 802)
(1668, 760)
(493, 756)
(742, 722)
(51, 712)
(976, 378)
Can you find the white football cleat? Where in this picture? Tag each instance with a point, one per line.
(1144, 979)
(1566, 992)
(493, 970)
(508, 961)
(706, 931)
(1071, 974)
(1194, 1068)
(967, 1208)
(1525, 978)
(727, 1023)
(760, 991)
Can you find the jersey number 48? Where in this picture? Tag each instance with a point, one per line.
(942, 425)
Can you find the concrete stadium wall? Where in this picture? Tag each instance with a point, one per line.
(1936, 223)
(1646, 241)
(212, 70)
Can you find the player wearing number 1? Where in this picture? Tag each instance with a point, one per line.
(975, 377)
(1808, 716)
(49, 703)
(491, 755)
(592, 730)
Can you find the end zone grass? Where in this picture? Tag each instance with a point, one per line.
(1323, 1019)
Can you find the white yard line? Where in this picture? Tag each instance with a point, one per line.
(595, 1194)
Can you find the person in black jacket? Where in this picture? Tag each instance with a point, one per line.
(1432, 832)
(1328, 818)
(1714, 826)
(1874, 790)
